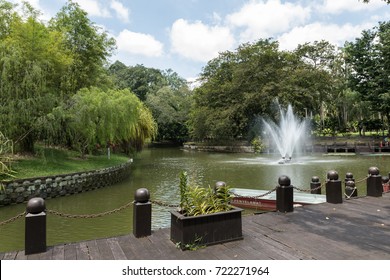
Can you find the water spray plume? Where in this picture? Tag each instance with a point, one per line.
(287, 134)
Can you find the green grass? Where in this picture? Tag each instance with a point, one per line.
(53, 161)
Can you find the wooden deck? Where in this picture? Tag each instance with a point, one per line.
(355, 229)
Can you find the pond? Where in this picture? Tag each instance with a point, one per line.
(158, 170)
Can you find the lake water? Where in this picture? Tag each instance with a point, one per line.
(158, 170)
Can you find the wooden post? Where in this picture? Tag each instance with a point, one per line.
(374, 182)
(285, 195)
(315, 185)
(333, 188)
(35, 226)
(142, 213)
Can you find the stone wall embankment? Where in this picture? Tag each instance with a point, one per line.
(21, 190)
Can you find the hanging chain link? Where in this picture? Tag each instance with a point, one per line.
(13, 219)
(164, 204)
(308, 190)
(89, 216)
(362, 179)
(257, 196)
(352, 193)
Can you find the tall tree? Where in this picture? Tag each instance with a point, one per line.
(32, 60)
(88, 44)
(369, 61)
(239, 86)
(170, 108)
(139, 79)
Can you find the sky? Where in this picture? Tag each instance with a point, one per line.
(183, 35)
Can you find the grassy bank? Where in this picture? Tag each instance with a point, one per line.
(52, 161)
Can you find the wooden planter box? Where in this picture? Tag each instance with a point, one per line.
(206, 229)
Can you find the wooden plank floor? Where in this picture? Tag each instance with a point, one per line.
(355, 229)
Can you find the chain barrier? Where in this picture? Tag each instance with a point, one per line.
(354, 189)
(362, 179)
(308, 190)
(257, 196)
(159, 203)
(85, 216)
(89, 216)
(13, 219)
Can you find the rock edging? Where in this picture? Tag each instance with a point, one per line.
(21, 190)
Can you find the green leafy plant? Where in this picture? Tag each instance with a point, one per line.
(196, 200)
(258, 145)
(191, 246)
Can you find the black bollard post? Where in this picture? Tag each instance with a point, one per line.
(333, 188)
(284, 195)
(374, 182)
(142, 213)
(350, 189)
(35, 226)
(349, 182)
(219, 184)
(349, 177)
(315, 185)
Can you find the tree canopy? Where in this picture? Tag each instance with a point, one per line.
(239, 86)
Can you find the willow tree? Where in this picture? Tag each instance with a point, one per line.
(99, 118)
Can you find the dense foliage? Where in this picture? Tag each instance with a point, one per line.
(164, 92)
(340, 89)
(55, 87)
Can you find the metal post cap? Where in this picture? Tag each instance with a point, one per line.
(35, 205)
(315, 179)
(284, 181)
(142, 195)
(220, 184)
(385, 179)
(350, 184)
(333, 175)
(373, 170)
(348, 175)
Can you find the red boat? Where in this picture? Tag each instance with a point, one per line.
(260, 200)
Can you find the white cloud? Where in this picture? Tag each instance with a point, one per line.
(121, 11)
(94, 8)
(339, 6)
(262, 19)
(335, 34)
(139, 44)
(198, 41)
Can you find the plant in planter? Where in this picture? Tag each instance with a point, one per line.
(205, 216)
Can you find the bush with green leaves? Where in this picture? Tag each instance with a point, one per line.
(197, 200)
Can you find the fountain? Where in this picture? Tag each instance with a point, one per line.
(287, 134)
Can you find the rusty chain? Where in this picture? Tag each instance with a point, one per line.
(10, 220)
(89, 216)
(159, 203)
(354, 189)
(308, 190)
(85, 216)
(257, 196)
